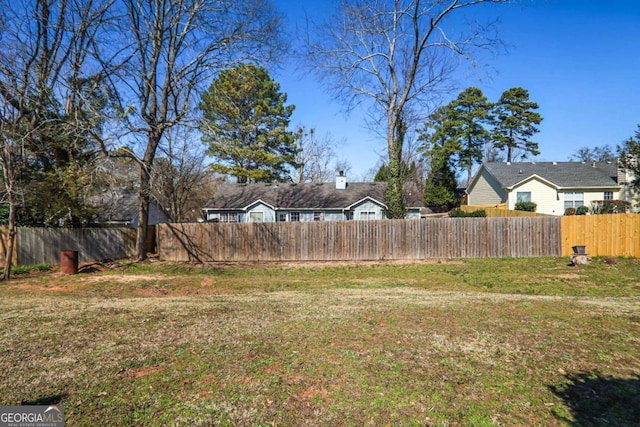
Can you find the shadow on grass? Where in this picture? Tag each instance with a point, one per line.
(46, 400)
(597, 400)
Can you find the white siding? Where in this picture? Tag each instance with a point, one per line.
(486, 191)
(542, 194)
(590, 195)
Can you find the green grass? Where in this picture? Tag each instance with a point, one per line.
(24, 269)
(474, 342)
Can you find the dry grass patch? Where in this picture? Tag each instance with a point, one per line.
(428, 344)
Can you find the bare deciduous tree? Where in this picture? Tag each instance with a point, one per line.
(47, 91)
(396, 55)
(173, 48)
(316, 159)
(180, 183)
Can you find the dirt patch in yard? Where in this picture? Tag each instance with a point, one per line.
(141, 372)
(562, 276)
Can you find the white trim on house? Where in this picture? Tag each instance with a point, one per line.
(259, 201)
(359, 202)
(529, 178)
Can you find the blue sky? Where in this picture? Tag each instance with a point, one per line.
(579, 60)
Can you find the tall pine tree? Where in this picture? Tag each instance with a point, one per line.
(245, 122)
(465, 119)
(440, 146)
(515, 123)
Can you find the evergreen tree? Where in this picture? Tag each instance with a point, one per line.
(461, 128)
(407, 171)
(440, 190)
(515, 123)
(245, 123)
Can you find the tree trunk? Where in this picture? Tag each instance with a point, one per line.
(143, 213)
(11, 240)
(144, 201)
(9, 187)
(394, 197)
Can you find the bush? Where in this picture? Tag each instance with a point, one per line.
(570, 211)
(459, 213)
(609, 206)
(478, 214)
(526, 206)
(582, 210)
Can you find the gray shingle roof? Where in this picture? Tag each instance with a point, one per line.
(115, 206)
(121, 206)
(302, 196)
(562, 174)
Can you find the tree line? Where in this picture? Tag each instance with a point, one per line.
(87, 83)
(470, 130)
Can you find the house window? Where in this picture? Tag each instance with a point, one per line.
(608, 195)
(573, 199)
(317, 216)
(228, 217)
(523, 196)
(282, 217)
(256, 217)
(294, 216)
(367, 215)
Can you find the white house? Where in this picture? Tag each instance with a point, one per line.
(269, 202)
(553, 186)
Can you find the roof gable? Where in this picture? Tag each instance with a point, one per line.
(257, 203)
(534, 177)
(368, 198)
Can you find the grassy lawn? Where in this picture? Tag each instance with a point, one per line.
(442, 343)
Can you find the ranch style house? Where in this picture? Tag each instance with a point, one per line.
(280, 202)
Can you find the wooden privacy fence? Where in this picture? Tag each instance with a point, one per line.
(361, 240)
(603, 235)
(43, 245)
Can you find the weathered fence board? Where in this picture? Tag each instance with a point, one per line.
(603, 235)
(361, 240)
(43, 245)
